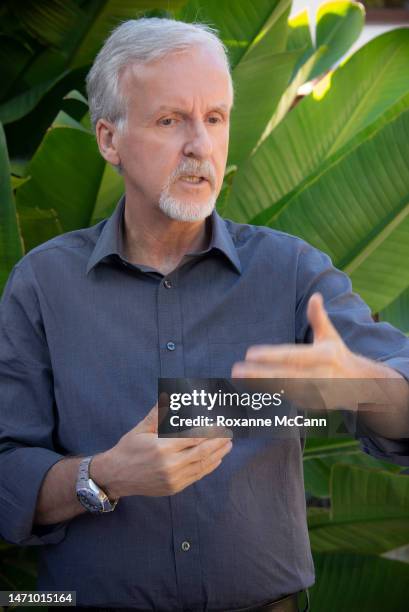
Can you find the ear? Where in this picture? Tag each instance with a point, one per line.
(106, 134)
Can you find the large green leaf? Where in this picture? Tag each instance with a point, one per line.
(10, 242)
(272, 37)
(14, 58)
(240, 23)
(73, 34)
(66, 173)
(20, 105)
(299, 33)
(290, 94)
(30, 114)
(259, 78)
(110, 190)
(318, 464)
(340, 107)
(397, 312)
(102, 16)
(369, 512)
(49, 20)
(359, 583)
(316, 446)
(339, 24)
(361, 222)
(270, 213)
(256, 99)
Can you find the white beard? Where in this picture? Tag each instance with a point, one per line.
(185, 211)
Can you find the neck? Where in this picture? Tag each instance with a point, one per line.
(152, 238)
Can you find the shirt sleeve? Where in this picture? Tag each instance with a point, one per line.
(352, 318)
(26, 412)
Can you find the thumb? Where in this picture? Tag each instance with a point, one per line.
(319, 320)
(150, 423)
(157, 413)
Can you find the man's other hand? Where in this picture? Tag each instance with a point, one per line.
(143, 464)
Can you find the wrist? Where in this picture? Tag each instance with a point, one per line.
(100, 471)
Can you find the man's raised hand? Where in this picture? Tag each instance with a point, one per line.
(326, 357)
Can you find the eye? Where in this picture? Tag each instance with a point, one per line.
(167, 121)
(214, 119)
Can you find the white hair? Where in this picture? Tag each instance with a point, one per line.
(139, 41)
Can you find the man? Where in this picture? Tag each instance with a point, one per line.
(166, 288)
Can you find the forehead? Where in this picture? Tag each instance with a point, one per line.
(182, 77)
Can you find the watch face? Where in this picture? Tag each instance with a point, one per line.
(90, 500)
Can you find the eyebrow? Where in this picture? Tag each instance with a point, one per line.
(174, 109)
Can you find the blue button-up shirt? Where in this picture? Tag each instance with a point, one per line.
(84, 336)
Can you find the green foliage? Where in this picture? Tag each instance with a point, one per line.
(397, 312)
(348, 582)
(10, 244)
(369, 512)
(367, 516)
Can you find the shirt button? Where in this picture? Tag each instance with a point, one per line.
(185, 546)
(171, 346)
(167, 283)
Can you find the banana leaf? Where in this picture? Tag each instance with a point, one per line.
(319, 461)
(66, 173)
(342, 105)
(338, 26)
(11, 249)
(369, 512)
(240, 24)
(348, 582)
(397, 312)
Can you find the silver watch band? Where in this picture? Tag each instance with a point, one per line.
(91, 496)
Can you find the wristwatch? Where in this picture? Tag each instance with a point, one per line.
(91, 496)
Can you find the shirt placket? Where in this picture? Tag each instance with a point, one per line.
(183, 504)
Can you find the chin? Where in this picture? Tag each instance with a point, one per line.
(188, 212)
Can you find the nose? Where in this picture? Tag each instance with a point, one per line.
(198, 142)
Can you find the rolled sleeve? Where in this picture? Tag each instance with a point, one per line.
(22, 472)
(26, 414)
(352, 318)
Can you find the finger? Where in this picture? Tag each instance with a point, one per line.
(205, 450)
(286, 355)
(200, 468)
(178, 444)
(319, 320)
(210, 462)
(205, 432)
(190, 477)
(246, 369)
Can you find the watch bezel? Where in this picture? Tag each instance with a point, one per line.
(89, 494)
(90, 500)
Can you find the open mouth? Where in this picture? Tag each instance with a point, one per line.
(194, 180)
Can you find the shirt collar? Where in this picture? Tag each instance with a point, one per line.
(110, 240)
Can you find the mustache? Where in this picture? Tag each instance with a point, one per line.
(194, 167)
